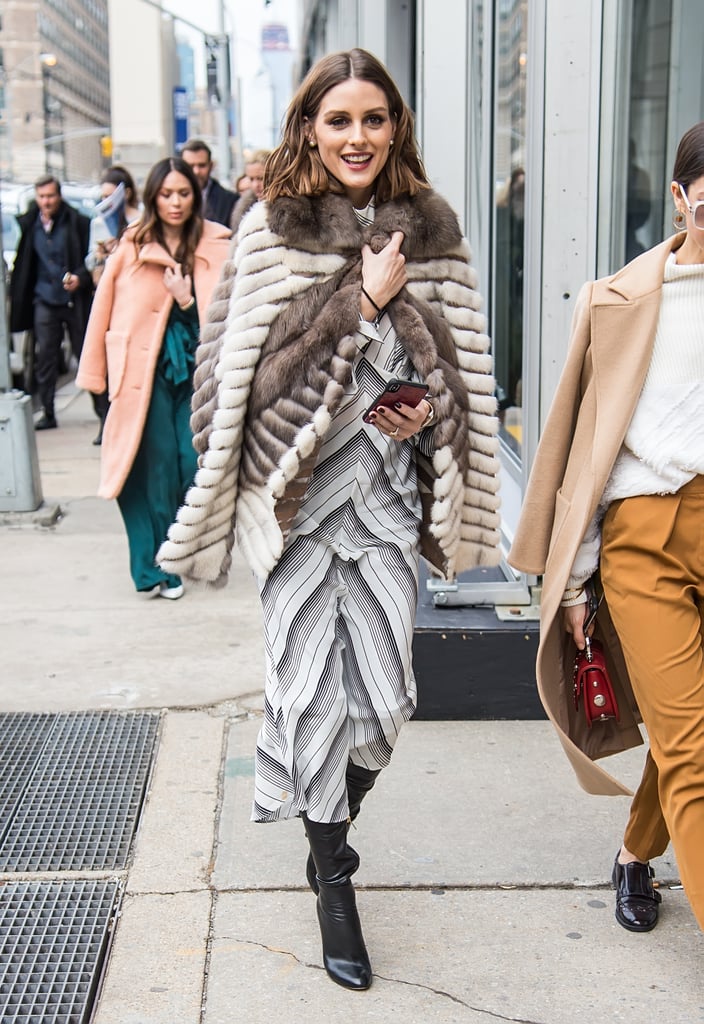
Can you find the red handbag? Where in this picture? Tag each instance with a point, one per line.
(592, 683)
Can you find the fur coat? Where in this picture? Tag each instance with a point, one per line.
(277, 353)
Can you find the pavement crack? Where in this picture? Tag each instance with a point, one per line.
(395, 981)
(456, 999)
(280, 952)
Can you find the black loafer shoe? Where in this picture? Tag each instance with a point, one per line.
(636, 899)
(46, 423)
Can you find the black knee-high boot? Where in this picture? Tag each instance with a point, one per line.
(359, 782)
(344, 954)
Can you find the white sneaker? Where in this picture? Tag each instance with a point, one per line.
(171, 593)
(147, 595)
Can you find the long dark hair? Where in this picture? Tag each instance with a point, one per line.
(689, 159)
(150, 227)
(295, 168)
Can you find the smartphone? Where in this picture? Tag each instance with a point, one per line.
(406, 391)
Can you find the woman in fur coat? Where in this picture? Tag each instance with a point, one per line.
(141, 342)
(349, 273)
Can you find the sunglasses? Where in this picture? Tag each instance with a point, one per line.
(696, 210)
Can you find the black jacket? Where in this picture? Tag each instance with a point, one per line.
(24, 273)
(219, 203)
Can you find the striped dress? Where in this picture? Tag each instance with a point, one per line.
(340, 604)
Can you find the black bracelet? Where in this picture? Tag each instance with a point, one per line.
(366, 293)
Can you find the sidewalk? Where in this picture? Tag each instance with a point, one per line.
(484, 882)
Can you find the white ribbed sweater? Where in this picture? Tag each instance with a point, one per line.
(664, 446)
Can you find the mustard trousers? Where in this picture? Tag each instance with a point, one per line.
(652, 568)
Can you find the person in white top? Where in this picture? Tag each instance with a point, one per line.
(623, 452)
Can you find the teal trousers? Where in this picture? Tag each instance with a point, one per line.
(162, 471)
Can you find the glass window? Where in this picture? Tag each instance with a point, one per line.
(510, 66)
(647, 177)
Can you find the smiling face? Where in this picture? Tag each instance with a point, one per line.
(174, 201)
(353, 130)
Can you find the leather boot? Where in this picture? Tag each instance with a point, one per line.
(359, 782)
(344, 954)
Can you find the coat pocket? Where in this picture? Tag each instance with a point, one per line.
(116, 355)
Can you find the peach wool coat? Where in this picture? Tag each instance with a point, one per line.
(613, 333)
(124, 337)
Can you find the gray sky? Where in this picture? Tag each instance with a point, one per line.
(244, 18)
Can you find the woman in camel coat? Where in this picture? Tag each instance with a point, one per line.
(617, 487)
(141, 339)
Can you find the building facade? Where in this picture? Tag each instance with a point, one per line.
(551, 128)
(54, 77)
(144, 71)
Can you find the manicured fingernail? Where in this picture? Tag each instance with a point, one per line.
(397, 405)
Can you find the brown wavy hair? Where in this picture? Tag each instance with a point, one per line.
(295, 168)
(150, 227)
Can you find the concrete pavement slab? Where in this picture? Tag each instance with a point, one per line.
(455, 957)
(75, 633)
(158, 960)
(462, 803)
(174, 847)
(77, 636)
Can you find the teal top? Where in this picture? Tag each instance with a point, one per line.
(178, 351)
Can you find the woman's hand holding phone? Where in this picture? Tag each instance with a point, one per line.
(400, 410)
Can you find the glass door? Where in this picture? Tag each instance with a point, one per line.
(509, 181)
(652, 91)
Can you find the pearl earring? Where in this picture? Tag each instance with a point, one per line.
(391, 143)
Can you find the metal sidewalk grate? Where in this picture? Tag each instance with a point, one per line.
(81, 789)
(22, 738)
(53, 941)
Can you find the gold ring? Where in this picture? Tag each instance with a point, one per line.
(394, 433)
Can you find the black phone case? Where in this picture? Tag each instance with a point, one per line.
(409, 392)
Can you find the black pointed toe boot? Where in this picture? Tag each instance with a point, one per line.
(359, 782)
(344, 953)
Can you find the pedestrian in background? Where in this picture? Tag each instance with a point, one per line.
(218, 201)
(351, 272)
(118, 190)
(141, 341)
(106, 231)
(623, 451)
(50, 287)
(254, 169)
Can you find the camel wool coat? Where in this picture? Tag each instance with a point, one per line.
(613, 332)
(124, 337)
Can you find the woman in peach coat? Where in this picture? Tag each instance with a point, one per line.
(141, 338)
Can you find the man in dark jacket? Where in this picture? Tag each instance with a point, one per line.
(50, 288)
(217, 201)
